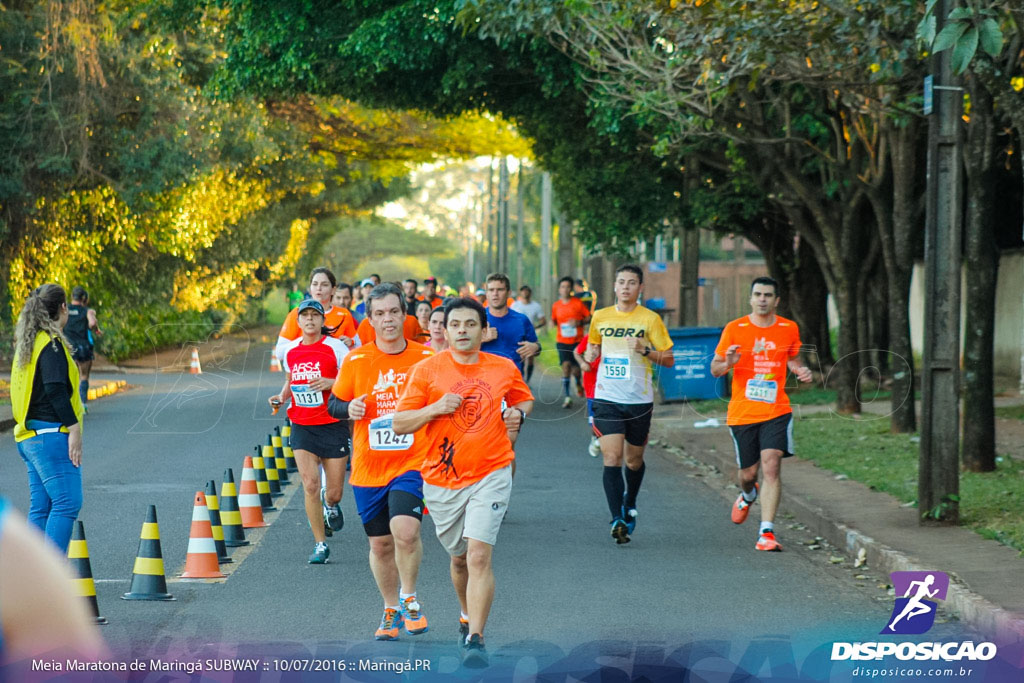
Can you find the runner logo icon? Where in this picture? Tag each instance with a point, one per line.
(917, 594)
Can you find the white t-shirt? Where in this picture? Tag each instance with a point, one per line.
(532, 310)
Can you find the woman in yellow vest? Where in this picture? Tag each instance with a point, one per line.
(48, 412)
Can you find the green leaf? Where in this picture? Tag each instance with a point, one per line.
(964, 51)
(926, 30)
(961, 13)
(948, 36)
(991, 37)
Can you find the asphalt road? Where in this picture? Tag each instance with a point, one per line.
(567, 595)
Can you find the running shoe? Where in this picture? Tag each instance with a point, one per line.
(463, 630)
(412, 614)
(595, 447)
(567, 402)
(333, 516)
(390, 624)
(741, 508)
(474, 654)
(629, 517)
(320, 554)
(619, 531)
(767, 542)
(328, 531)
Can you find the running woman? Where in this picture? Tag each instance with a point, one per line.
(438, 342)
(82, 325)
(589, 383)
(385, 478)
(569, 315)
(629, 338)
(319, 440)
(338, 320)
(525, 304)
(759, 348)
(467, 472)
(422, 313)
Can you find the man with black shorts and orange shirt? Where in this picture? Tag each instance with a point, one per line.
(569, 315)
(628, 338)
(759, 348)
(385, 479)
(467, 473)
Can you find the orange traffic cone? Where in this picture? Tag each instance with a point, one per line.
(201, 561)
(195, 368)
(275, 364)
(249, 498)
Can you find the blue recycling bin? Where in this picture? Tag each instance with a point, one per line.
(689, 378)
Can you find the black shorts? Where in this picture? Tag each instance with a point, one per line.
(631, 419)
(565, 350)
(399, 503)
(82, 353)
(324, 441)
(750, 440)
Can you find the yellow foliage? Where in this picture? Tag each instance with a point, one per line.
(197, 289)
(285, 265)
(1017, 82)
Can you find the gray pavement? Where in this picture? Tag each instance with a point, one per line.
(568, 599)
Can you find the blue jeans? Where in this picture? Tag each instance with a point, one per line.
(54, 483)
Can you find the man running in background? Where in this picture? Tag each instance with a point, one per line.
(581, 292)
(364, 291)
(81, 325)
(525, 304)
(569, 315)
(410, 287)
(458, 396)
(430, 294)
(629, 338)
(759, 348)
(385, 478)
(508, 334)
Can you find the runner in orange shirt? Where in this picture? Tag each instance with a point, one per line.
(759, 348)
(430, 294)
(569, 315)
(410, 330)
(385, 478)
(339, 321)
(467, 475)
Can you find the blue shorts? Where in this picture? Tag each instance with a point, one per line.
(371, 500)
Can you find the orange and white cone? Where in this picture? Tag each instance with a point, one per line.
(195, 368)
(275, 364)
(201, 561)
(249, 498)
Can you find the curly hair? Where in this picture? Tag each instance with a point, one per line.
(41, 312)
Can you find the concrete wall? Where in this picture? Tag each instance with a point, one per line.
(1009, 333)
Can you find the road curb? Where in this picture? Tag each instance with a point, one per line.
(971, 608)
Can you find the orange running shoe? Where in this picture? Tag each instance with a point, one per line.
(463, 630)
(412, 614)
(741, 508)
(767, 542)
(390, 623)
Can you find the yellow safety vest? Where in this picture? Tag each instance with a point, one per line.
(22, 377)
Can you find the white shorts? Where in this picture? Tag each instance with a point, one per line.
(474, 511)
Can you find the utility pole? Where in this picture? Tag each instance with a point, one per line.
(520, 226)
(503, 192)
(545, 242)
(938, 466)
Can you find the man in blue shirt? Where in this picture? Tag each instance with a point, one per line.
(508, 333)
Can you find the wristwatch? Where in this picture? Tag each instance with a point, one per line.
(647, 351)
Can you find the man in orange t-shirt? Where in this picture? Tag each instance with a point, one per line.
(569, 315)
(385, 479)
(410, 329)
(467, 473)
(759, 348)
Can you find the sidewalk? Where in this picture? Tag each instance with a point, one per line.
(986, 579)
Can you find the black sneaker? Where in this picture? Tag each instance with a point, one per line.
(334, 520)
(463, 630)
(474, 654)
(619, 531)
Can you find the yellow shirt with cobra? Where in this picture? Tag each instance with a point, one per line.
(22, 377)
(625, 376)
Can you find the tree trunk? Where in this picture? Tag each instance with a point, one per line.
(982, 262)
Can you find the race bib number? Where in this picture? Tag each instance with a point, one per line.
(383, 437)
(303, 397)
(615, 367)
(763, 390)
(568, 329)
